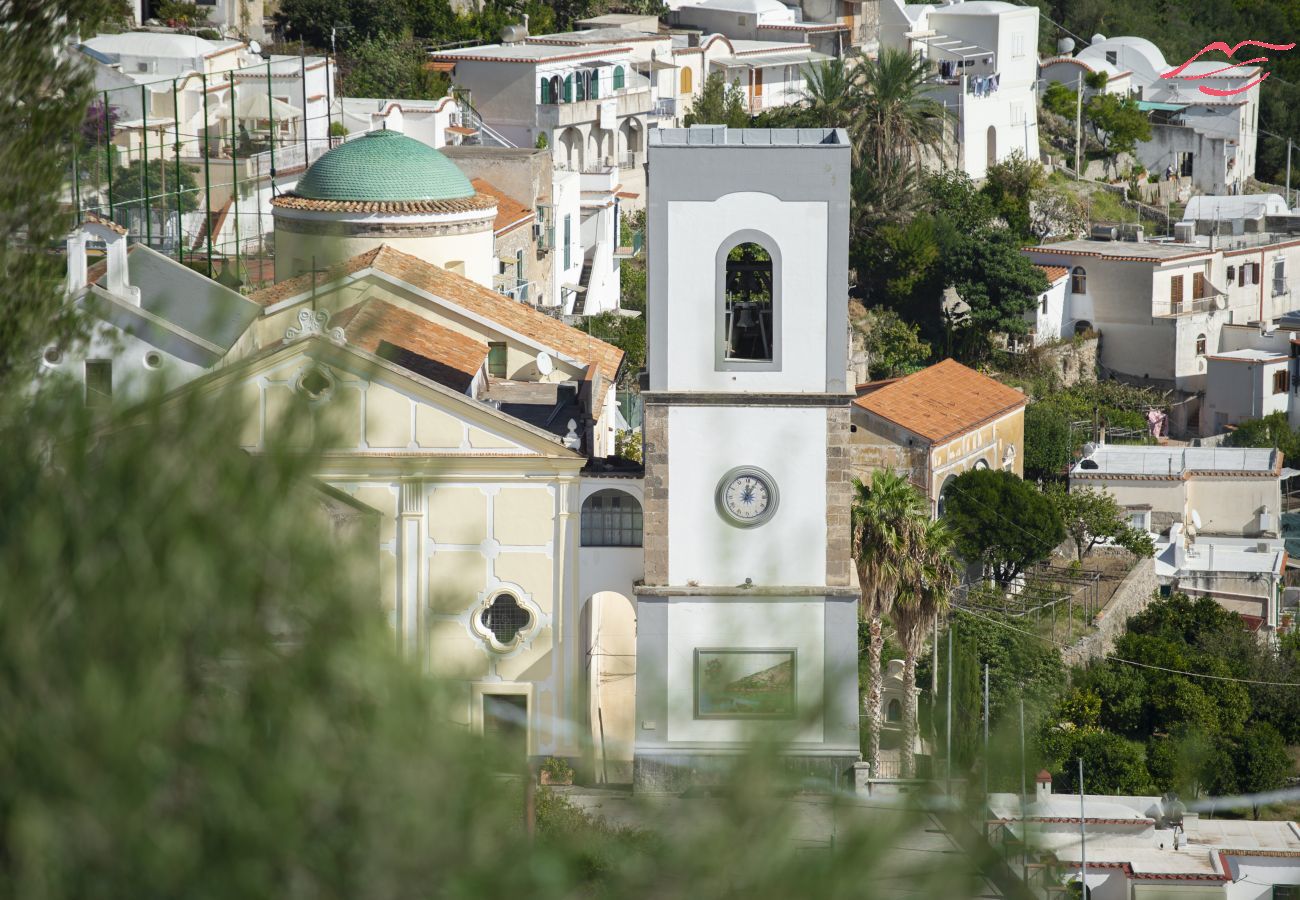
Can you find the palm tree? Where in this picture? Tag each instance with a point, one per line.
(920, 603)
(888, 514)
(831, 98)
(900, 120)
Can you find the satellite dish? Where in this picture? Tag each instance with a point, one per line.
(1089, 448)
(1220, 301)
(255, 48)
(1065, 46)
(1196, 520)
(544, 365)
(1098, 38)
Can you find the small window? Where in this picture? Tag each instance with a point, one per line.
(894, 712)
(99, 382)
(1232, 274)
(748, 303)
(546, 97)
(498, 355)
(52, 356)
(1200, 345)
(568, 88)
(1017, 113)
(1281, 381)
(1176, 294)
(568, 242)
(315, 384)
(611, 518)
(618, 78)
(1017, 45)
(594, 92)
(505, 618)
(687, 82)
(1078, 281)
(1112, 57)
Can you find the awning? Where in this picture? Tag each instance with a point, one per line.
(1290, 473)
(1151, 106)
(252, 104)
(953, 47)
(763, 60)
(656, 65)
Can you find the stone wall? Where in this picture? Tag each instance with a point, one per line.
(1133, 595)
(1073, 361)
(654, 431)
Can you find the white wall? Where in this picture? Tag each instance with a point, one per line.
(788, 443)
(1254, 877)
(743, 624)
(696, 232)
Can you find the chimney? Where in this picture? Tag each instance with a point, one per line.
(76, 261)
(118, 279)
(1043, 785)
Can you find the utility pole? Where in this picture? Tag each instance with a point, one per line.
(948, 717)
(986, 731)
(1288, 173)
(1083, 839)
(1078, 129)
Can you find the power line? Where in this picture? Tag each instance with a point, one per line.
(1130, 662)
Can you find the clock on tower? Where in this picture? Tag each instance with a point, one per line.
(747, 618)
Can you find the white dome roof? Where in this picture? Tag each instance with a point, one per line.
(765, 8)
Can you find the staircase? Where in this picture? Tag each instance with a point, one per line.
(486, 136)
(580, 305)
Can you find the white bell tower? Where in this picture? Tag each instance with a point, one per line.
(747, 619)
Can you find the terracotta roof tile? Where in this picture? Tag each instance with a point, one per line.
(96, 219)
(406, 207)
(1054, 273)
(510, 212)
(468, 295)
(412, 341)
(942, 401)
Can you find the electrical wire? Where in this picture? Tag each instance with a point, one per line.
(1130, 662)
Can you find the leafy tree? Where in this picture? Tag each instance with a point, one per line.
(1096, 81)
(901, 121)
(1010, 185)
(1265, 764)
(1001, 522)
(164, 192)
(899, 266)
(998, 282)
(1117, 123)
(1271, 431)
(922, 598)
(894, 348)
(889, 517)
(625, 332)
(1111, 764)
(1059, 99)
(187, 15)
(1047, 442)
(830, 99)
(391, 66)
(719, 103)
(41, 116)
(1092, 516)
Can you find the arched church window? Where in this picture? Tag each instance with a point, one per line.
(611, 518)
(505, 618)
(748, 304)
(1079, 280)
(894, 712)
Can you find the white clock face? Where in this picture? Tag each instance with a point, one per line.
(747, 496)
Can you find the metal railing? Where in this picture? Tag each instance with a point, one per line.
(627, 161)
(1183, 307)
(664, 108)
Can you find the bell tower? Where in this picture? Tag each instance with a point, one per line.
(747, 618)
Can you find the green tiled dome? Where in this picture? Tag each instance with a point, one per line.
(384, 165)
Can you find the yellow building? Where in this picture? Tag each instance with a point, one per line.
(935, 424)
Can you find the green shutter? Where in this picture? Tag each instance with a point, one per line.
(546, 91)
(497, 356)
(595, 85)
(568, 88)
(567, 224)
(618, 78)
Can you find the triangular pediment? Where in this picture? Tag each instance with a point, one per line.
(364, 405)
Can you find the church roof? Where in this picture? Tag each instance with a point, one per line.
(413, 342)
(384, 166)
(942, 401)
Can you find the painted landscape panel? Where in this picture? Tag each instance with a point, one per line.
(744, 684)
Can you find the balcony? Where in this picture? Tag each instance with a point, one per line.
(1185, 307)
(631, 101)
(664, 108)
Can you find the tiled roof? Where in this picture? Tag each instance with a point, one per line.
(458, 205)
(384, 165)
(96, 219)
(942, 401)
(1054, 273)
(510, 212)
(413, 342)
(470, 296)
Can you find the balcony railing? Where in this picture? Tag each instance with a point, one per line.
(664, 108)
(627, 161)
(1183, 307)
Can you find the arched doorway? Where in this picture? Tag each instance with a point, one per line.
(629, 140)
(993, 145)
(571, 141)
(610, 626)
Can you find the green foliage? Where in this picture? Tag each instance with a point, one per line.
(1111, 764)
(1096, 81)
(47, 97)
(894, 348)
(1092, 516)
(719, 103)
(557, 769)
(1047, 442)
(625, 332)
(1271, 431)
(1002, 523)
(389, 65)
(338, 129)
(1117, 123)
(1264, 763)
(1010, 185)
(187, 15)
(432, 21)
(1059, 99)
(161, 180)
(542, 142)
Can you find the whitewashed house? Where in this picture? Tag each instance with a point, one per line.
(984, 55)
(1052, 318)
